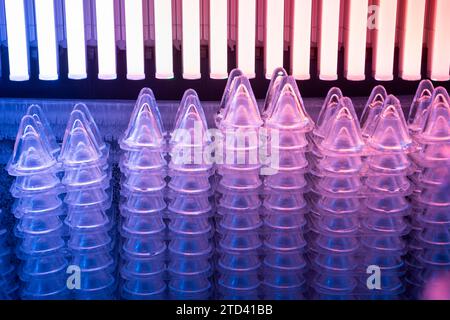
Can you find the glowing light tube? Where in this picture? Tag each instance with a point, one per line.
(355, 39)
(191, 39)
(46, 39)
(76, 41)
(106, 39)
(218, 35)
(329, 39)
(163, 39)
(412, 40)
(134, 33)
(301, 39)
(17, 40)
(274, 36)
(384, 46)
(246, 37)
(439, 56)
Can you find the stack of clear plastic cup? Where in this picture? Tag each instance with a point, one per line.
(386, 187)
(39, 210)
(191, 204)
(429, 254)
(8, 281)
(421, 102)
(286, 125)
(90, 219)
(143, 228)
(238, 218)
(336, 165)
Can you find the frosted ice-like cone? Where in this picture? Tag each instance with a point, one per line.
(143, 247)
(136, 267)
(435, 196)
(89, 242)
(45, 203)
(190, 183)
(36, 112)
(94, 261)
(143, 225)
(87, 197)
(285, 261)
(144, 159)
(282, 201)
(372, 110)
(229, 262)
(190, 121)
(51, 288)
(397, 184)
(235, 73)
(152, 288)
(145, 204)
(436, 128)
(146, 96)
(43, 267)
(241, 111)
(287, 140)
(389, 163)
(94, 281)
(339, 205)
(436, 257)
(79, 219)
(339, 185)
(384, 244)
(38, 245)
(191, 247)
(92, 125)
(241, 222)
(277, 76)
(328, 109)
(432, 155)
(288, 111)
(390, 134)
(194, 226)
(337, 245)
(240, 182)
(79, 144)
(144, 129)
(343, 133)
(241, 242)
(37, 225)
(39, 182)
(85, 176)
(137, 181)
(284, 221)
(190, 205)
(387, 204)
(420, 105)
(385, 224)
(284, 241)
(387, 263)
(340, 224)
(336, 283)
(335, 263)
(339, 165)
(436, 236)
(240, 282)
(286, 181)
(240, 201)
(189, 267)
(32, 153)
(285, 281)
(189, 286)
(436, 216)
